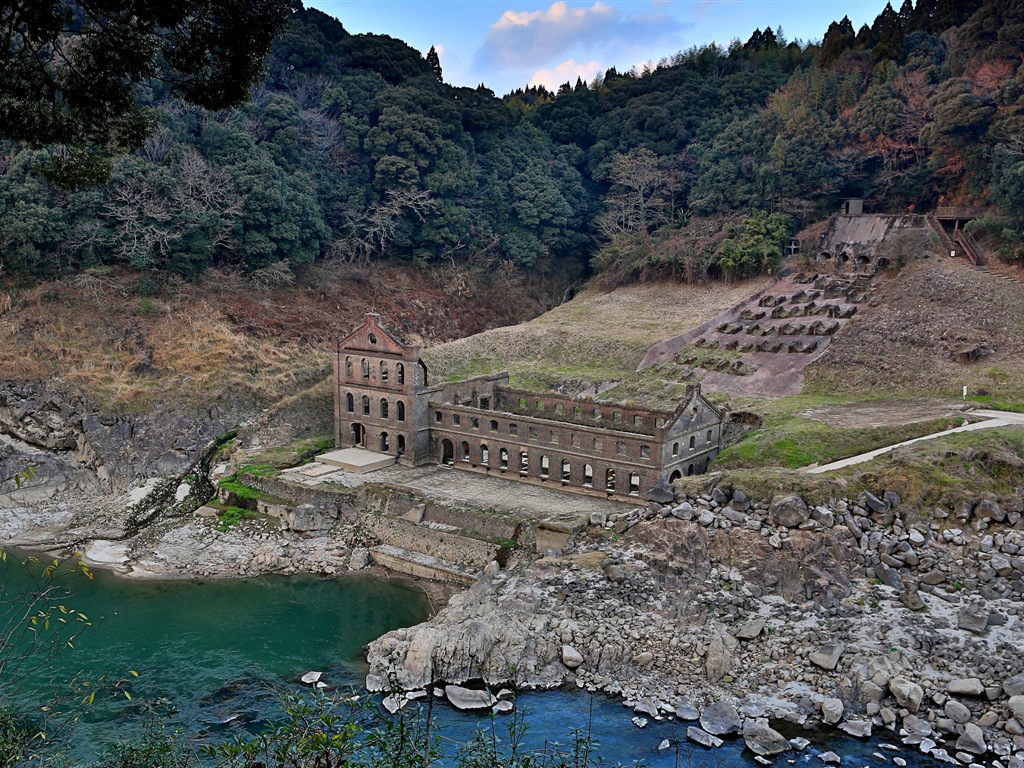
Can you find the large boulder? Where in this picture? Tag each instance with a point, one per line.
(467, 698)
(719, 656)
(1014, 686)
(965, 686)
(957, 712)
(720, 719)
(990, 511)
(827, 656)
(1017, 707)
(973, 617)
(764, 740)
(907, 693)
(571, 657)
(832, 710)
(972, 740)
(661, 492)
(788, 511)
(693, 733)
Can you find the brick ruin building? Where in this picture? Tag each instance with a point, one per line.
(383, 402)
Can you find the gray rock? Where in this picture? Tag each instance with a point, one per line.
(800, 743)
(693, 733)
(972, 740)
(872, 502)
(467, 698)
(646, 706)
(827, 656)
(571, 657)
(1017, 707)
(824, 516)
(762, 739)
(957, 712)
(685, 709)
(888, 576)
(660, 492)
(788, 511)
(859, 728)
(965, 686)
(907, 693)
(358, 559)
(917, 725)
(750, 629)
(720, 719)
(910, 596)
(719, 657)
(1014, 686)
(503, 707)
(664, 744)
(306, 518)
(375, 683)
(973, 617)
(830, 758)
(311, 677)
(988, 510)
(394, 703)
(832, 710)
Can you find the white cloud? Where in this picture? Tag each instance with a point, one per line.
(566, 72)
(526, 39)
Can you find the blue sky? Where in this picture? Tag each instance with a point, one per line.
(506, 44)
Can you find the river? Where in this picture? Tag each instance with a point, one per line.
(220, 653)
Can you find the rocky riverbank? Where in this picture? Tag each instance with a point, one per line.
(861, 613)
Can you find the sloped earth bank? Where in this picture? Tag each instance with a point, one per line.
(861, 613)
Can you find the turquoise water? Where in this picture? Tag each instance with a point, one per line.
(221, 653)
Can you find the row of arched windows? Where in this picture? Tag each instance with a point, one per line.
(383, 407)
(383, 374)
(709, 437)
(597, 414)
(545, 467)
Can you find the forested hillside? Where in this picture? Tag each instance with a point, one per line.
(354, 149)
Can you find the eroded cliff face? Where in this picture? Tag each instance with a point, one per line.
(79, 449)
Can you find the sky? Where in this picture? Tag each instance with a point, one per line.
(508, 44)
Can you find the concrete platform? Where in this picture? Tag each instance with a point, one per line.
(356, 460)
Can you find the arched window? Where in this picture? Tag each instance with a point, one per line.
(366, 405)
(693, 442)
(545, 467)
(484, 453)
(465, 451)
(350, 404)
(588, 476)
(383, 371)
(710, 433)
(503, 459)
(400, 410)
(620, 447)
(645, 451)
(566, 470)
(348, 367)
(373, 338)
(383, 408)
(609, 479)
(366, 368)
(401, 444)
(689, 469)
(400, 373)
(675, 449)
(524, 463)
(634, 484)
(494, 425)
(384, 445)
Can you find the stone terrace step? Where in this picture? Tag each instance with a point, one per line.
(421, 565)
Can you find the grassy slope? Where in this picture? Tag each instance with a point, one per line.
(597, 338)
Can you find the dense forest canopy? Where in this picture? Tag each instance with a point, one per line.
(354, 148)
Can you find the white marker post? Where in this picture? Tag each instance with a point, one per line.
(965, 391)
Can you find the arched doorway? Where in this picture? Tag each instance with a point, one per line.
(385, 444)
(358, 435)
(447, 452)
(675, 476)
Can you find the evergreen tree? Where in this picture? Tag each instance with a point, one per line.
(435, 63)
(838, 38)
(889, 35)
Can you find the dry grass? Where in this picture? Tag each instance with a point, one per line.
(594, 341)
(130, 352)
